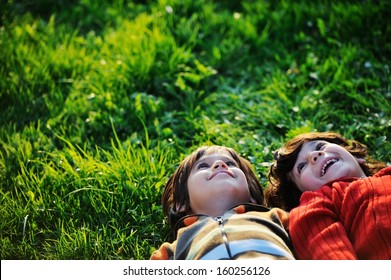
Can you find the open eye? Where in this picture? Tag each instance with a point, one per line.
(231, 163)
(300, 167)
(319, 145)
(202, 165)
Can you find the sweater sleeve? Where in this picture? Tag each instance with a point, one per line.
(315, 230)
(165, 252)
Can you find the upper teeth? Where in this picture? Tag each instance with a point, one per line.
(326, 164)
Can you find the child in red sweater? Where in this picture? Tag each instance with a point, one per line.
(338, 197)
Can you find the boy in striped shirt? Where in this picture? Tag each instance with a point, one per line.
(214, 204)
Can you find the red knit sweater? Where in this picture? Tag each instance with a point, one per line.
(347, 219)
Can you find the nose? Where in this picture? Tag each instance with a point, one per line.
(219, 164)
(315, 155)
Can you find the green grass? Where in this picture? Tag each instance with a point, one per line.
(101, 100)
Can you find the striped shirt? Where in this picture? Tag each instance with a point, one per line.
(246, 231)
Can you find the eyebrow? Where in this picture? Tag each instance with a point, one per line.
(222, 157)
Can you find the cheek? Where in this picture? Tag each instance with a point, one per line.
(243, 180)
(197, 182)
(196, 176)
(306, 182)
(192, 183)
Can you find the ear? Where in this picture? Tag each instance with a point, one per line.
(360, 160)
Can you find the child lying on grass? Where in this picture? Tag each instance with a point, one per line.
(214, 205)
(339, 198)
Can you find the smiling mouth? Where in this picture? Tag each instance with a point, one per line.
(221, 172)
(327, 165)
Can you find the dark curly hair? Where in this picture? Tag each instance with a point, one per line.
(176, 196)
(282, 192)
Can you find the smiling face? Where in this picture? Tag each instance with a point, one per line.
(216, 184)
(320, 162)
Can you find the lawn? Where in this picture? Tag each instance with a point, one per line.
(100, 101)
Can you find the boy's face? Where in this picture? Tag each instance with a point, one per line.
(320, 162)
(216, 184)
